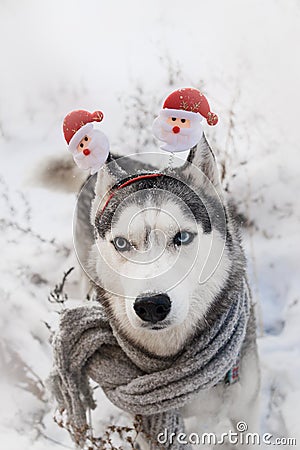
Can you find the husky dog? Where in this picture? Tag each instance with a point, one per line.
(163, 250)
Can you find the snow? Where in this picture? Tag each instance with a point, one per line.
(124, 58)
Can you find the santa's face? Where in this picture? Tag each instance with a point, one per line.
(178, 132)
(92, 151)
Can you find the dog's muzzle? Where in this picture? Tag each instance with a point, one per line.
(152, 308)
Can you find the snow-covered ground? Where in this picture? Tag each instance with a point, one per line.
(124, 58)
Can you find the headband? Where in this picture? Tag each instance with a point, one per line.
(127, 183)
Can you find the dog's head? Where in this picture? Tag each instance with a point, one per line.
(161, 253)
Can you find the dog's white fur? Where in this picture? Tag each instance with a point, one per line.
(156, 267)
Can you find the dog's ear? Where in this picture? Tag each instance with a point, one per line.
(201, 160)
(110, 174)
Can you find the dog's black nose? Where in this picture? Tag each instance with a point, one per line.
(153, 309)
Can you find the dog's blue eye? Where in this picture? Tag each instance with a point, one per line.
(121, 244)
(183, 238)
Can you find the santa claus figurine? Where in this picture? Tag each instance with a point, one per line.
(179, 124)
(89, 147)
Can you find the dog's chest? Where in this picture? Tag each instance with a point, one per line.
(212, 402)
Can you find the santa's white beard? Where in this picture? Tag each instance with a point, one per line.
(99, 148)
(177, 142)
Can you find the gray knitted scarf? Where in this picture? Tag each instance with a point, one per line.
(88, 345)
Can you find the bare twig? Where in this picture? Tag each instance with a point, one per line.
(86, 440)
(5, 223)
(21, 373)
(57, 295)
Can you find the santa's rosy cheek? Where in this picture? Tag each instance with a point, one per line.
(185, 123)
(173, 121)
(81, 146)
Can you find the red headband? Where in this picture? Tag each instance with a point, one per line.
(126, 183)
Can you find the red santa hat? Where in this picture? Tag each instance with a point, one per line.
(187, 102)
(77, 124)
